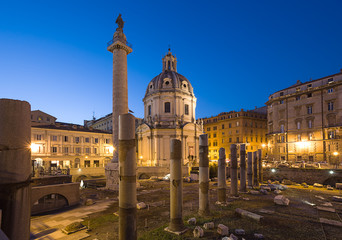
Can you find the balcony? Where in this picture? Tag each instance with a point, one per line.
(124, 42)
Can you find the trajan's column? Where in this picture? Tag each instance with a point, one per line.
(120, 49)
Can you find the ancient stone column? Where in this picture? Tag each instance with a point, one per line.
(250, 169)
(243, 168)
(203, 175)
(221, 174)
(260, 166)
(120, 49)
(233, 171)
(255, 169)
(176, 187)
(127, 183)
(15, 168)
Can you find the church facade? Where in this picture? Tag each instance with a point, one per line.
(169, 112)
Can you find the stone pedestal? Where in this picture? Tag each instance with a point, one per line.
(112, 176)
(15, 168)
(255, 169)
(260, 166)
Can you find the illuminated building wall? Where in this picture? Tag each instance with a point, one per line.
(248, 127)
(305, 121)
(68, 145)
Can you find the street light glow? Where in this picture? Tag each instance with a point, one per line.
(331, 172)
(273, 170)
(335, 153)
(34, 147)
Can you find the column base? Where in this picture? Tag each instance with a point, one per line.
(167, 229)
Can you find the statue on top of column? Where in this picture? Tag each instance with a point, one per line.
(120, 22)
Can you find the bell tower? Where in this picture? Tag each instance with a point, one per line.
(169, 62)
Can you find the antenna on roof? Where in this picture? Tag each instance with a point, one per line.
(94, 115)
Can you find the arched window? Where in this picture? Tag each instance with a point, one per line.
(167, 107)
(149, 110)
(186, 109)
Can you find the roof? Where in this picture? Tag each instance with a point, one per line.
(71, 127)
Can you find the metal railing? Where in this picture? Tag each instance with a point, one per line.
(124, 42)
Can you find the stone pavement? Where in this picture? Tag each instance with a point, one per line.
(49, 226)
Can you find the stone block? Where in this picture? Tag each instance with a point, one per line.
(89, 202)
(263, 191)
(209, 225)
(141, 205)
(198, 232)
(277, 191)
(248, 214)
(240, 231)
(258, 236)
(192, 221)
(330, 187)
(233, 237)
(330, 222)
(253, 192)
(326, 209)
(222, 230)
(281, 200)
(337, 198)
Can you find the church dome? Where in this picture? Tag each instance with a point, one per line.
(169, 80)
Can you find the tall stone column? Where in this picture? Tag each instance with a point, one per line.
(221, 191)
(250, 169)
(260, 166)
(255, 169)
(203, 176)
(176, 188)
(243, 168)
(127, 183)
(15, 168)
(120, 49)
(233, 171)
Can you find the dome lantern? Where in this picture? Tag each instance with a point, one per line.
(169, 62)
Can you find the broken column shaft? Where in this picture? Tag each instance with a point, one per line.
(233, 171)
(15, 168)
(127, 182)
(176, 187)
(255, 169)
(203, 176)
(221, 174)
(243, 168)
(260, 166)
(250, 169)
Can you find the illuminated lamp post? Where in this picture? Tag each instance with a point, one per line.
(336, 159)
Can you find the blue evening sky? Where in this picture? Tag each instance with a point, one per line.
(235, 53)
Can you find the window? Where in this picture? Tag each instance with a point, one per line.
(149, 110)
(230, 139)
(309, 109)
(310, 123)
(310, 136)
(86, 140)
(282, 94)
(48, 119)
(96, 140)
(331, 134)
(281, 102)
(222, 133)
(54, 149)
(214, 128)
(330, 80)
(95, 150)
(251, 139)
(208, 129)
(186, 109)
(246, 139)
(309, 86)
(107, 140)
(209, 135)
(214, 135)
(230, 125)
(282, 129)
(330, 90)
(297, 98)
(282, 139)
(222, 126)
(87, 150)
(298, 125)
(54, 138)
(330, 106)
(299, 137)
(78, 150)
(96, 163)
(309, 95)
(167, 107)
(237, 131)
(237, 124)
(77, 139)
(256, 139)
(39, 137)
(87, 163)
(237, 139)
(66, 150)
(297, 89)
(65, 138)
(215, 143)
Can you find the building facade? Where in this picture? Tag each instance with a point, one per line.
(305, 121)
(104, 123)
(169, 112)
(62, 145)
(243, 127)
